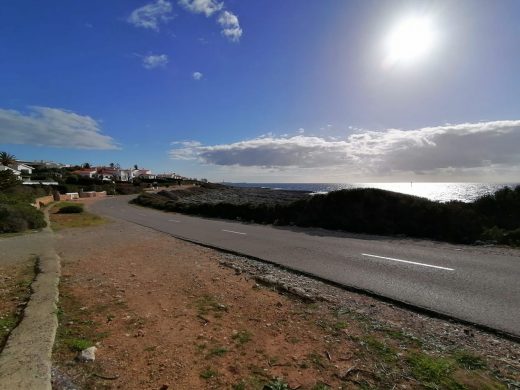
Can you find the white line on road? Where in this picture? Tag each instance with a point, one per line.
(409, 262)
(173, 220)
(231, 231)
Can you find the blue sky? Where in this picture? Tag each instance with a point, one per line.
(264, 90)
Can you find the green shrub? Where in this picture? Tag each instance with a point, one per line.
(469, 361)
(433, 371)
(7, 180)
(17, 217)
(73, 209)
(276, 384)
(362, 210)
(78, 345)
(16, 212)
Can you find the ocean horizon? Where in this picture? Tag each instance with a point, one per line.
(440, 192)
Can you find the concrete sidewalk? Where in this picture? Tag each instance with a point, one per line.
(18, 249)
(25, 362)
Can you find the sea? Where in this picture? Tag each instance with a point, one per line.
(440, 192)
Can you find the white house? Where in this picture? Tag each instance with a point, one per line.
(86, 172)
(45, 164)
(143, 173)
(18, 174)
(125, 175)
(22, 168)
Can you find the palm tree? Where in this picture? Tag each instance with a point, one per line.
(7, 159)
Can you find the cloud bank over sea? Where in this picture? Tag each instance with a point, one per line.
(461, 149)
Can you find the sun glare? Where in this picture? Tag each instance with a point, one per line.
(411, 40)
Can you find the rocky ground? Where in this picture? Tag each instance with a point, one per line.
(166, 314)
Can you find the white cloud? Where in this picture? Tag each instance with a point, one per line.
(463, 148)
(197, 75)
(227, 20)
(230, 26)
(151, 15)
(155, 61)
(44, 126)
(207, 7)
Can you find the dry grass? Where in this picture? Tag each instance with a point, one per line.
(64, 221)
(15, 290)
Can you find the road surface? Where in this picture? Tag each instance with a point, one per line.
(474, 284)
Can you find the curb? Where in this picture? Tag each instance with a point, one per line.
(25, 362)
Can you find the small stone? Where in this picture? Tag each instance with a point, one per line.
(87, 355)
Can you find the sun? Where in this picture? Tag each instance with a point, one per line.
(411, 40)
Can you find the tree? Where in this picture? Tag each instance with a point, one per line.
(7, 180)
(7, 159)
(112, 165)
(86, 165)
(135, 166)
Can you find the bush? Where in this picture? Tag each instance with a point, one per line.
(7, 180)
(17, 217)
(73, 209)
(372, 211)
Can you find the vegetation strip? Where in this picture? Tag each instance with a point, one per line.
(492, 218)
(15, 291)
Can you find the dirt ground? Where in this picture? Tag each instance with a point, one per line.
(15, 282)
(166, 314)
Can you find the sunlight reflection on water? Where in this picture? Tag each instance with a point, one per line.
(442, 192)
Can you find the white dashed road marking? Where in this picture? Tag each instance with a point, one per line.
(231, 231)
(408, 262)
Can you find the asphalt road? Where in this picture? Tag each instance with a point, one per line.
(474, 284)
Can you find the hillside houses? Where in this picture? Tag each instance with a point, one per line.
(115, 174)
(44, 171)
(170, 176)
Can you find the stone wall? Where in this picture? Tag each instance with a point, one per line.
(92, 194)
